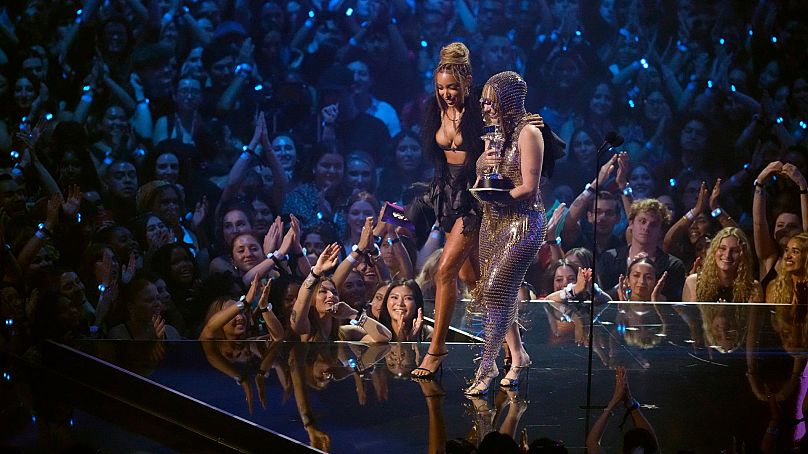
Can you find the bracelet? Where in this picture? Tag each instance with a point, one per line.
(41, 235)
(803, 191)
(315, 275)
(588, 189)
(373, 253)
(359, 320)
(568, 294)
(240, 302)
(143, 101)
(266, 309)
(716, 212)
(759, 184)
(690, 216)
(627, 192)
(351, 260)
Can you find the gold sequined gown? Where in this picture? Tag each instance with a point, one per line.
(510, 237)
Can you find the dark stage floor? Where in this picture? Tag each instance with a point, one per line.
(691, 378)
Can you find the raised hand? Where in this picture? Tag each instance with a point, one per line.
(70, 206)
(606, 170)
(263, 301)
(555, 219)
(696, 265)
(623, 169)
(288, 239)
(52, 216)
(159, 326)
(330, 113)
(619, 387)
(774, 167)
(201, 211)
(623, 290)
(701, 201)
(137, 85)
(254, 285)
(656, 294)
(583, 280)
(417, 323)
(272, 239)
(245, 54)
(793, 173)
(328, 260)
(715, 194)
(366, 237)
(294, 226)
(128, 270)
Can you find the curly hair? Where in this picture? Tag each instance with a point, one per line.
(743, 286)
(783, 286)
(651, 206)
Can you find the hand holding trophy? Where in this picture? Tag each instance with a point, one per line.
(492, 186)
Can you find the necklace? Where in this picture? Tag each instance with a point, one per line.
(456, 118)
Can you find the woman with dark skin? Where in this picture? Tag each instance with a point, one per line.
(451, 136)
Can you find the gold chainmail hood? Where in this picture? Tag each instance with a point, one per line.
(511, 91)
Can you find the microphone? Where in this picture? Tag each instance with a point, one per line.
(612, 139)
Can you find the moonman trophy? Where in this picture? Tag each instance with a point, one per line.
(493, 186)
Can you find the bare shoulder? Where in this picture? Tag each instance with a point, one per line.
(531, 132)
(691, 280)
(530, 138)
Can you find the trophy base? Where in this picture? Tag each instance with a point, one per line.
(495, 181)
(491, 194)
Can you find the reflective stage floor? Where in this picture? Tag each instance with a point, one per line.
(687, 365)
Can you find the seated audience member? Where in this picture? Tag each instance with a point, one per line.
(647, 220)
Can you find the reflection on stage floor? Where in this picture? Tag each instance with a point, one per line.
(701, 372)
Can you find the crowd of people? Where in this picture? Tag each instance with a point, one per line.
(199, 169)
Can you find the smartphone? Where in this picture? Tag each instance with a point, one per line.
(394, 214)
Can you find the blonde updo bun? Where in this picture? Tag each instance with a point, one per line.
(454, 54)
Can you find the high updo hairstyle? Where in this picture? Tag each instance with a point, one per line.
(454, 59)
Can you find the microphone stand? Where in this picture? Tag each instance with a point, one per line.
(606, 145)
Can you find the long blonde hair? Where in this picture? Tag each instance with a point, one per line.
(783, 286)
(454, 59)
(708, 284)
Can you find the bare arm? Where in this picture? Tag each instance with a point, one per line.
(299, 319)
(689, 290)
(217, 322)
(531, 145)
(765, 247)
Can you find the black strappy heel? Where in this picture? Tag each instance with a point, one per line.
(430, 375)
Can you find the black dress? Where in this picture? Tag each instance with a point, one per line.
(448, 198)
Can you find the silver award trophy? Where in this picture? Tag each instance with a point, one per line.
(493, 186)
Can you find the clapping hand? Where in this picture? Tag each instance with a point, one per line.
(201, 211)
(272, 239)
(128, 270)
(623, 289)
(656, 294)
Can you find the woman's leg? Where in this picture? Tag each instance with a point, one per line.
(519, 356)
(455, 253)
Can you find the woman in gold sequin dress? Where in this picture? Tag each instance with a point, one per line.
(512, 228)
